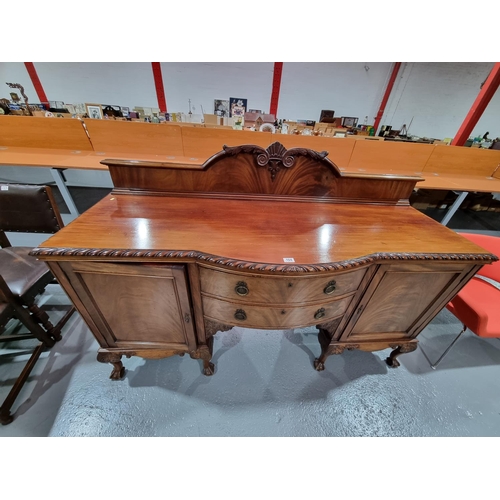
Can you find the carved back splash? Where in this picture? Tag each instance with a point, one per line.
(250, 170)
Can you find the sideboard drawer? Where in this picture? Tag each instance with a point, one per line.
(273, 317)
(277, 289)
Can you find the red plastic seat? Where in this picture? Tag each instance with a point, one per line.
(477, 305)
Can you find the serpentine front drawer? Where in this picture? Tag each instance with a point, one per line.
(268, 289)
(252, 316)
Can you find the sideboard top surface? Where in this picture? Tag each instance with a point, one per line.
(257, 231)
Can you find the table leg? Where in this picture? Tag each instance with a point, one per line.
(58, 178)
(451, 211)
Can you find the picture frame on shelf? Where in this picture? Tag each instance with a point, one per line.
(71, 109)
(80, 108)
(221, 107)
(349, 121)
(327, 116)
(94, 111)
(237, 106)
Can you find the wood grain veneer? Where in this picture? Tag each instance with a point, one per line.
(155, 266)
(280, 290)
(34, 132)
(273, 317)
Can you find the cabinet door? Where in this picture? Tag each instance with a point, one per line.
(403, 298)
(134, 305)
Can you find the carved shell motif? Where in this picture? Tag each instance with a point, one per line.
(276, 156)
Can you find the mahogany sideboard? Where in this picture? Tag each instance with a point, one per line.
(259, 238)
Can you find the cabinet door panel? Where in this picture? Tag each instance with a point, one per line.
(398, 298)
(136, 305)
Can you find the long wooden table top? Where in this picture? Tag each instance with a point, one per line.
(318, 233)
(57, 143)
(85, 160)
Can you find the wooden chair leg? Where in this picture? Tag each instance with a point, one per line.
(43, 318)
(37, 331)
(5, 415)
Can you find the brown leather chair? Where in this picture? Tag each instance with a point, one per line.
(27, 209)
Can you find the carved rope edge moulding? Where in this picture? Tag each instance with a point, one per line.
(257, 266)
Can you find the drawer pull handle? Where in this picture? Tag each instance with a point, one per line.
(241, 288)
(330, 288)
(319, 313)
(240, 314)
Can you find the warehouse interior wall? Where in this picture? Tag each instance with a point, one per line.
(436, 97)
(204, 82)
(350, 89)
(431, 98)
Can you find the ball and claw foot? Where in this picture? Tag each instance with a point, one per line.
(319, 365)
(401, 349)
(208, 368)
(6, 418)
(392, 362)
(118, 371)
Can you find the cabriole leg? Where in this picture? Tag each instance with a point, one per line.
(204, 352)
(399, 349)
(118, 371)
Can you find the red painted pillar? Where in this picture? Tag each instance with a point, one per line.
(275, 93)
(388, 90)
(160, 90)
(36, 83)
(484, 97)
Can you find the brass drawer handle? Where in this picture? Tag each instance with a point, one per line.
(240, 314)
(330, 288)
(241, 288)
(319, 313)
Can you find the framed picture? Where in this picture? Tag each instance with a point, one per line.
(71, 109)
(237, 106)
(349, 121)
(326, 116)
(221, 107)
(94, 111)
(306, 123)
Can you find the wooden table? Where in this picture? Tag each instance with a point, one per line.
(258, 238)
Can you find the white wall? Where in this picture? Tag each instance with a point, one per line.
(123, 84)
(347, 88)
(15, 72)
(438, 96)
(204, 82)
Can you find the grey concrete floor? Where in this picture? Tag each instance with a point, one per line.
(264, 385)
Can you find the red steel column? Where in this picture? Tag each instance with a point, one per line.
(160, 90)
(489, 88)
(36, 83)
(275, 93)
(388, 90)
